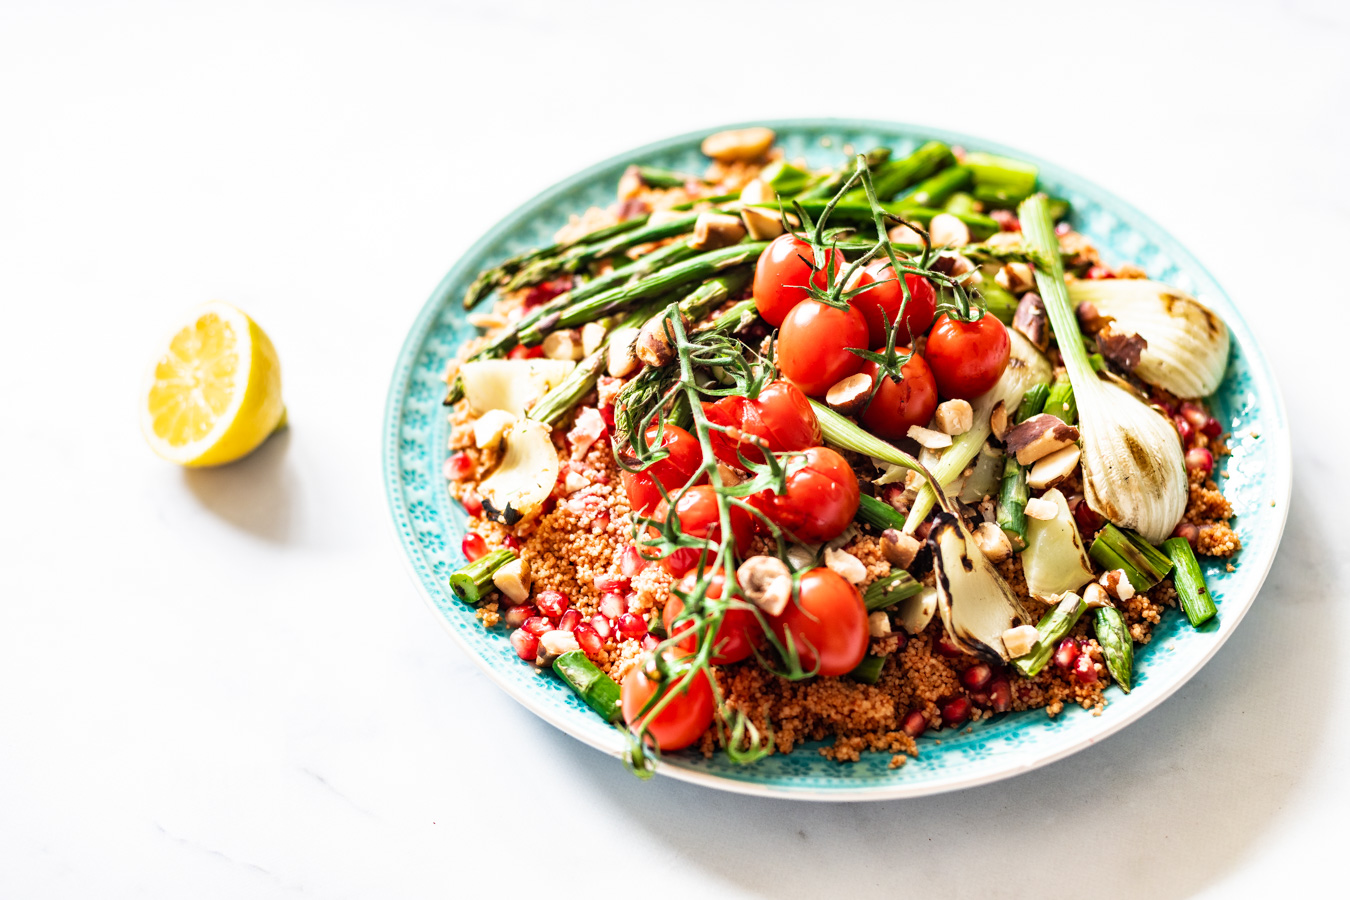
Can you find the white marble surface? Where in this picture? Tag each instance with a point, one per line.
(221, 684)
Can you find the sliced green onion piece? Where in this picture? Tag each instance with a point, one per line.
(472, 582)
(869, 670)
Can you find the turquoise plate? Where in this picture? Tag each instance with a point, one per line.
(430, 525)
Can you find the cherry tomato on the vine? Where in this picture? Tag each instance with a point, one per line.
(967, 358)
(735, 637)
(673, 472)
(782, 273)
(887, 298)
(828, 625)
(813, 345)
(820, 499)
(683, 720)
(898, 405)
(698, 513)
(781, 419)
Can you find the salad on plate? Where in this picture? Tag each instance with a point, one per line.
(771, 454)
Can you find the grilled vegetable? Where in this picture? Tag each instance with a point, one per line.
(975, 602)
(1054, 560)
(524, 478)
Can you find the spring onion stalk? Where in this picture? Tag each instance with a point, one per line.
(472, 582)
(608, 302)
(1026, 367)
(890, 590)
(1188, 345)
(934, 190)
(894, 176)
(845, 433)
(1013, 493)
(1117, 646)
(1116, 548)
(878, 513)
(1052, 628)
(595, 688)
(869, 670)
(1190, 582)
(1134, 470)
(1060, 403)
(1001, 180)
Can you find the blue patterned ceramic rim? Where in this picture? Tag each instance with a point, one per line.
(429, 525)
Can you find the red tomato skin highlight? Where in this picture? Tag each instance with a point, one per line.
(813, 345)
(820, 500)
(673, 472)
(735, 637)
(781, 276)
(967, 358)
(828, 625)
(888, 297)
(898, 406)
(697, 510)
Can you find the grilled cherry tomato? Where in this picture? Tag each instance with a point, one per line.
(781, 418)
(682, 721)
(828, 625)
(673, 472)
(735, 636)
(967, 358)
(813, 345)
(781, 275)
(820, 500)
(886, 299)
(698, 514)
(898, 405)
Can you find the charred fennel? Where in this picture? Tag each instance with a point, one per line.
(1134, 471)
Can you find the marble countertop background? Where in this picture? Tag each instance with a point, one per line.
(222, 684)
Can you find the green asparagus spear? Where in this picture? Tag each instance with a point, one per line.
(869, 670)
(1013, 494)
(1000, 180)
(1053, 626)
(1116, 643)
(1119, 548)
(981, 226)
(879, 513)
(654, 176)
(580, 256)
(894, 176)
(827, 185)
(998, 301)
(890, 590)
(1033, 403)
(1060, 402)
(598, 690)
(934, 190)
(1190, 582)
(472, 582)
(661, 282)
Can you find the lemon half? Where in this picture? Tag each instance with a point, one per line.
(215, 393)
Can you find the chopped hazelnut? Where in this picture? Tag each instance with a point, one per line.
(849, 394)
(992, 542)
(926, 437)
(899, 548)
(955, 416)
(1039, 436)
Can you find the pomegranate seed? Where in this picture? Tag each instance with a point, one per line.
(516, 615)
(608, 584)
(1185, 430)
(569, 620)
(601, 625)
(552, 603)
(901, 639)
(977, 677)
(947, 648)
(525, 644)
(588, 640)
(1211, 428)
(537, 625)
(979, 698)
(1066, 653)
(631, 626)
(520, 351)
(650, 642)
(1194, 414)
(1100, 273)
(542, 293)
(630, 601)
(1006, 219)
(472, 505)
(1188, 531)
(631, 561)
(607, 413)
(1085, 670)
(921, 533)
(459, 467)
(612, 605)
(1198, 459)
(1089, 521)
(601, 521)
(511, 542)
(955, 711)
(1000, 695)
(1062, 229)
(473, 546)
(915, 724)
